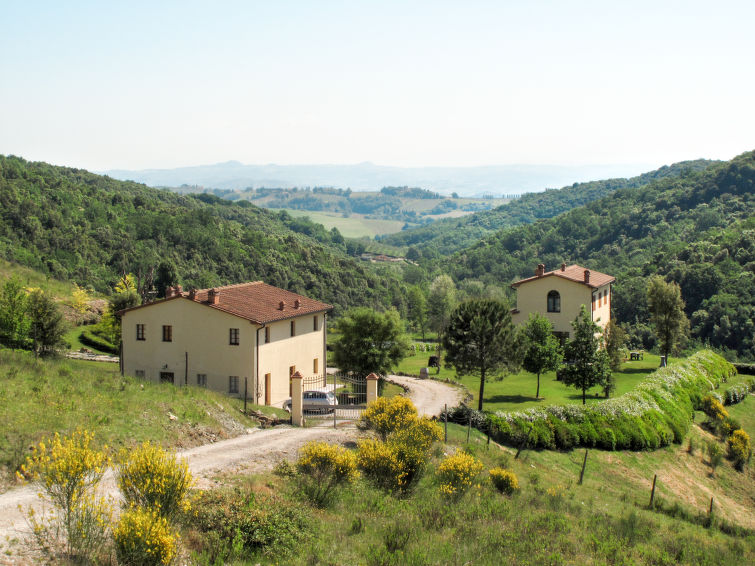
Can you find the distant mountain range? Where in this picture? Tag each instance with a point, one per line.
(466, 181)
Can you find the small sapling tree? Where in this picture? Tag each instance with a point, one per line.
(542, 351)
(667, 314)
(587, 362)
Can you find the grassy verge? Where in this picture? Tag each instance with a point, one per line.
(40, 397)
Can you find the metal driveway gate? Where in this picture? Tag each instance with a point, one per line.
(349, 390)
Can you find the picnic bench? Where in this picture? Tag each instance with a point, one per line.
(633, 356)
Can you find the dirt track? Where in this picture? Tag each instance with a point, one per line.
(257, 451)
(429, 396)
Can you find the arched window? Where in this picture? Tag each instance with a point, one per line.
(554, 302)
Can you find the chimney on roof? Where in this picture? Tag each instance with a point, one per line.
(213, 296)
(297, 303)
(540, 271)
(563, 267)
(587, 275)
(281, 305)
(193, 294)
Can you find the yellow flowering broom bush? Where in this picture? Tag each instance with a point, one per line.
(69, 470)
(397, 462)
(323, 467)
(148, 476)
(457, 474)
(740, 449)
(386, 415)
(504, 481)
(143, 537)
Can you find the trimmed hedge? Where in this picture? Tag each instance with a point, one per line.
(746, 369)
(90, 339)
(656, 413)
(738, 392)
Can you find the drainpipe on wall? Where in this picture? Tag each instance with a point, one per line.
(256, 380)
(325, 348)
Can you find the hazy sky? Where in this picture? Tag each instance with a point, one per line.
(164, 84)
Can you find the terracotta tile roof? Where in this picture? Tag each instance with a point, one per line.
(255, 301)
(574, 273)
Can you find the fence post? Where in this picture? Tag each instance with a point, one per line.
(582, 473)
(297, 414)
(469, 426)
(372, 387)
(710, 509)
(652, 491)
(445, 425)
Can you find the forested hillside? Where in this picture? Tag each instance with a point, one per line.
(91, 229)
(453, 234)
(697, 230)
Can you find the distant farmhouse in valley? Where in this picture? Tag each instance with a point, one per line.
(559, 294)
(246, 338)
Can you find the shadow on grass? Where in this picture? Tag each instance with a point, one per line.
(636, 370)
(578, 396)
(511, 399)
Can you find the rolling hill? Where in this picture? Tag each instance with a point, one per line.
(77, 226)
(453, 234)
(697, 230)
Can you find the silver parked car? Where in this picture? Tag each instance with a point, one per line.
(315, 402)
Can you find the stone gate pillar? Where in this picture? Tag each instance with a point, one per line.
(297, 415)
(372, 387)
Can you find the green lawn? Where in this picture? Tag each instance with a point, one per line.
(517, 391)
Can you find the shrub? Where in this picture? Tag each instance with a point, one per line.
(457, 473)
(691, 446)
(143, 537)
(504, 481)
(740, 449)
(397, 462)
(235, 520)
(323, 467)
(713, 407)
(88, 338)
(386, 415)
(738, 392)
(69, 470)
(715, 453)
(148, 476)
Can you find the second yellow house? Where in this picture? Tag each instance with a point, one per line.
(559, 294)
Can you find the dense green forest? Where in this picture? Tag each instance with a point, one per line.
(697, 229)
(453, 234)
(91, 229)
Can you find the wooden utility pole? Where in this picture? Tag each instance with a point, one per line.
(652, 491)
